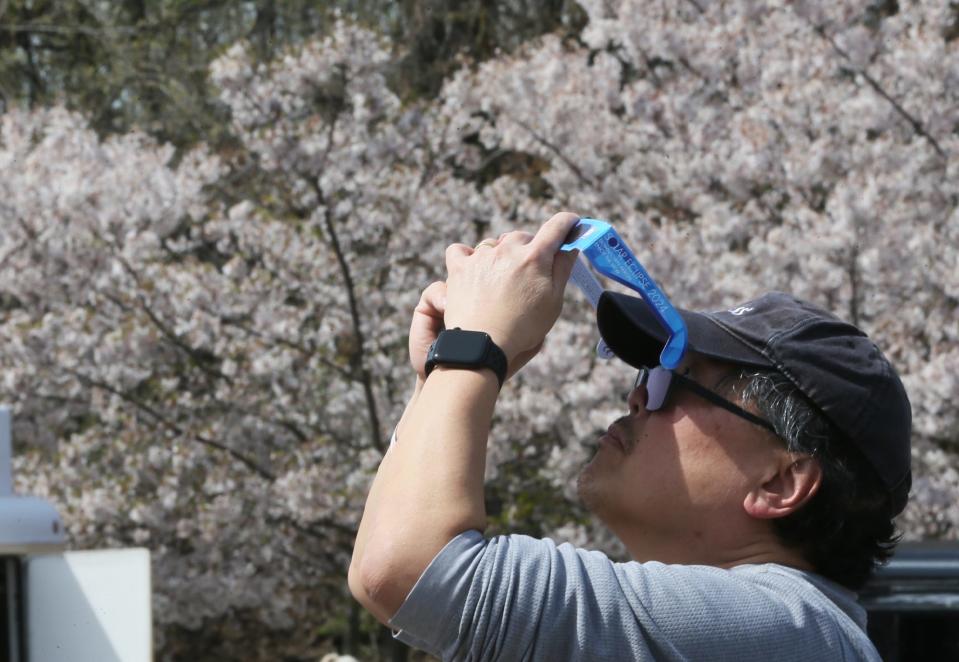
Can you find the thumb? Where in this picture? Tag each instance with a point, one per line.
(433, 300)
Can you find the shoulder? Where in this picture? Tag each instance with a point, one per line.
(514, 584)
(813, 607)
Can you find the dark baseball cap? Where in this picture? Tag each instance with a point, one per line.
(833, 363)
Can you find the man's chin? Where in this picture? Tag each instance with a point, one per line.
(589, 488)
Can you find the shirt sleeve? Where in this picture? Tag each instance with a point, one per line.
(513, 598)
(520, 598)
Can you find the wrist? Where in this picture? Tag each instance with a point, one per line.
(485, 375)
(499, 337)
(467, 349)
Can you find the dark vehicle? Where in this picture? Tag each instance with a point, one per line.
(913, 603)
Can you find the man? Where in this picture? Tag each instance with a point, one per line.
(754, 486)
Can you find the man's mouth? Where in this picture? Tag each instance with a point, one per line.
(614, 435)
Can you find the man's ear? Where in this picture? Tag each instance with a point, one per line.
(795, 481)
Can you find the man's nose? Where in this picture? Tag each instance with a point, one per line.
(636, 399)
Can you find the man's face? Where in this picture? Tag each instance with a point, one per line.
(676, 478)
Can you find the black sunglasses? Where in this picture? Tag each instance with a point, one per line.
(659, 384)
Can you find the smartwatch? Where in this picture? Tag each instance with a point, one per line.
(471, 350)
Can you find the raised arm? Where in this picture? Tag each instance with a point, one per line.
(429, 487)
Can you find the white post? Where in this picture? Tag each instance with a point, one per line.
(6, 453)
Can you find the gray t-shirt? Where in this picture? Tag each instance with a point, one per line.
(519, 598)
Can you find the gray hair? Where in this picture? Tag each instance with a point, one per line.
(796, 421)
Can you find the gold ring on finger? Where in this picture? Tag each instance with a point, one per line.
(486, 242)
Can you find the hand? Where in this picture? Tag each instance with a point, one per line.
(427, 324)
(514, 290)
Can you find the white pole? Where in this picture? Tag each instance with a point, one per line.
(6, 453)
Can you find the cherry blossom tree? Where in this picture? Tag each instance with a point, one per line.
(206, 352)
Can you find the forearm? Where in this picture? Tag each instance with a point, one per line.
(428, 489)
(362, 534)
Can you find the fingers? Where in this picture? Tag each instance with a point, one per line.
(433, 300)
(563, 265)
(544, 244)
(547, 241)
(553, 233)
(516, 237)
(457, 252)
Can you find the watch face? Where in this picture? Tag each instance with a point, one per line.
(466, 347)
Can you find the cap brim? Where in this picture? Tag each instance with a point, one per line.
(634, 334)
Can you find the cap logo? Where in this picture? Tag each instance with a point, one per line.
(742, 310)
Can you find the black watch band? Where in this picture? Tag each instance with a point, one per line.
(470, 350)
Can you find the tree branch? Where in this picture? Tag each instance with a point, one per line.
(356, 358)
(199, 359)
(698, 6)
(557, 151)
(165, 422)
(877, 88)
(306, 351)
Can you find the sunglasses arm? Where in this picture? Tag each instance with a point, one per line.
(705, 393)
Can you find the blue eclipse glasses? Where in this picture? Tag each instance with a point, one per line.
(610, 256)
